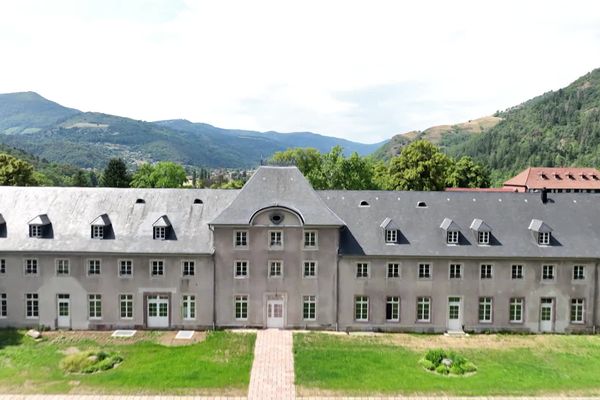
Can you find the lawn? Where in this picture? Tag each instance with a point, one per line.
(507, 365)
(220, 364)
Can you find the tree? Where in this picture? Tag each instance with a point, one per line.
(164, 174)
(467, 173)
(80, 179)
(15, 172)
(93, 179)
(115, 174)
(308, 160)
(142, 177)
(420, 166)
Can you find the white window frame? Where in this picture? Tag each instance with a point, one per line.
(244, 238)
(119, 271)
(519, 268)
(271, 264)
(309, 300)
(242, 268)
(2, 265)
(36, 231)
(94, 299)
(311, 265)
(361, 267)
(59, 263)
(516, 302)
(276, 244)
(32, 301)
(452, 237)
(88, 264)
(487, 275)
(126, 299)
(188, 307)
(394, 266)
(423, 302)
(316, 240)
(394, 301)
(3, 305)
(544, 238)
(361, 305)
(160, 233)
(453, 268)
(550, 268)
(97, 232)
(577, 304)
(190, 265)
(241, 299)
(427, 266)
(391, 236)
(578, 273)
(27, 268)
(483, 238)
(487, 302)
(159, 263)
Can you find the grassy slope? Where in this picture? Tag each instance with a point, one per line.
(221, 362)
(368, 365)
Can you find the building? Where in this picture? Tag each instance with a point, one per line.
(279, 254)
(556, 180)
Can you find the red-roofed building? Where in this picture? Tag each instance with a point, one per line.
(556, 180)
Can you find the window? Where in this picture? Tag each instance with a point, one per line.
(240, 269)
(483, 237)
(309, 269)
(95, 306)
(126, 306)
(485, 309)
(160, 232)
(62, 267)
(97, 232)
(32, 305)
(391, 235)
(392, 309)
(362, 270)
(544, 238)
(361, 308)
(309, 308)
(36, 231)
(516, 271)
(241, 307)
(93, 267)
(423, 309)
(275, 269)
(578, 272)
(188, 268)
(125, 268)
(424, 271)
(516, 310)
(393, 270)
(240, 239)
(452, 237)
(310, 239)
(455, 271)
(157, 268)
(31, 266)
(2, 266)
(577, 307)
(189, 307)
(3, 306)
(275, 239)
(486, 271)
(547, 272)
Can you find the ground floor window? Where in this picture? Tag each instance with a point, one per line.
(485, 309)
(126, 306)
(189, 307)
(423, 309)
(32, 305)
(95, 306)
(3, 305)
(309, 308)
(392, 309)
(577, 307)
(241, 307)
(361, 308)
(516, 310)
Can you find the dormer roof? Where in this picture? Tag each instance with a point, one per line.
(449, 225)
(389, 224)
(539, 226)
(162, 222)
(41, 219)
(101, 220)
(2, 220)
(480, 226)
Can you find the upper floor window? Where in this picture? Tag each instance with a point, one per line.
(240, 269)
(93, 267)
(240, 238)
(393, 270)
(486, 271)
(516, 271)
(544, 238)
(455, 271)
(31, 266)
(97, 232)
(275, 269)
(310, 239)
(452, 237)
(362, 270)
(309, 269)
(578, 272)
(483, 237)
(424, 271)
(547, 272)
(391, 236)
(125, 268)
(157, 268)
(62, 267)
(2, 266)
(275, 239)
(188, 268)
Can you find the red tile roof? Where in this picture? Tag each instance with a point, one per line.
(555, 178)
(500, 189)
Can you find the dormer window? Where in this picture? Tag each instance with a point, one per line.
(483, 232)
(544, 238)
(483, 237)
(101, 227)
(36, 231)
(391, 236)
(162, 229)
(97, 232)
(452, 231)
(390, 231)
(160, 232)
(39, 227)
(452, 237)
(2, 227)
(364, 203)
(541, 231)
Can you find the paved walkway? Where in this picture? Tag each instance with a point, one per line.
(272, 376)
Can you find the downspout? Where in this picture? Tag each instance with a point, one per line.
(337, 284)
(214, 292)
(596, 299)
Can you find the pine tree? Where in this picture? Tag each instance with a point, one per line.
(115, 174)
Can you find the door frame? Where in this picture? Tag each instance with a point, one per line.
(552, 314)
(170, 308)
(58, 301)
(275, 296)
(460, 312)
(274, 302)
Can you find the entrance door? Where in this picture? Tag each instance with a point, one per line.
(63, 311)
(454, 314)
(158, 311)
(275, 313)
(546, 315)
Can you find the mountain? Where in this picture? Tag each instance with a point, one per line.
(442, 135)
(89, 139)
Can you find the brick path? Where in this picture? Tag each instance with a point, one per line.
(272, 376)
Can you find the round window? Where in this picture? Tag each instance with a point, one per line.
(276, 218)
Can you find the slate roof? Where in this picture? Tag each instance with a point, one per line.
(71, 211)
(278, 186)
(575, 219)
(480, 226)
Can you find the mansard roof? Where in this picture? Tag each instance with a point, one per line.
(574, 217)
(72, 209)
(278, 187)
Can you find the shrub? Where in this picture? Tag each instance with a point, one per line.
(441, 369)
(456, 369)
(458, 366)
(469, 367)
(426, 364)
(87, 362)
(435, 356)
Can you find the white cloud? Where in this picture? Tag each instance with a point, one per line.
(355, 69)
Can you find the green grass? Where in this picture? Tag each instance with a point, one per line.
(219, 364)
(361, 365)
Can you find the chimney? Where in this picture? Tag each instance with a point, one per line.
(544, 195)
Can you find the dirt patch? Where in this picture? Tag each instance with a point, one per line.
(168, 339)
(70, 350)
(99, 337)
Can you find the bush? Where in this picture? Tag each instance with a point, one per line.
(458, 366)
(87, 362)
(456, 369)
(435, 356)
(441, 369)
(426, 364)
(469, 367)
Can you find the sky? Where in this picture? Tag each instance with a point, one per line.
(361, 70)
